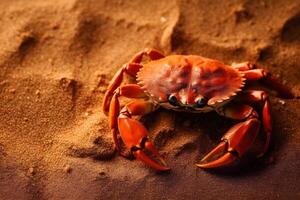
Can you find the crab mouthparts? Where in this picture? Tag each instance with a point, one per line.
(190, 107)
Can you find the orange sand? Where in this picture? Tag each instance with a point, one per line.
(57, 58)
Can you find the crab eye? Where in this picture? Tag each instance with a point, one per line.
(173, 100)
(201, 102)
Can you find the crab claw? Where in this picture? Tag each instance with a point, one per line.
(140, 155)
(135, 137)
(235, 143)
(224, 160)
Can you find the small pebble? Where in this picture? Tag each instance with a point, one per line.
(37, 92)
(25, 119)
(102, 175)
(31, 171)
(284, 82)
(67, 169)
(12, 91)
(282, 102)
(102, 90)
(50, 61)
(163, 19)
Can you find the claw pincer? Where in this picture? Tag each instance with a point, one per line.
(235, 143)
(135, 137)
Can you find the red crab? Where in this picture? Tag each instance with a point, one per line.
(196, 84)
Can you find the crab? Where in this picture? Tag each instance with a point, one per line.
(191, 83)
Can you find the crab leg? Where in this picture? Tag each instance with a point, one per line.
(237, 140)
(253, 72)
(257, 96)
(131, 69)
(130, 91)
(153, 54)
(133, 133)
(244, 66)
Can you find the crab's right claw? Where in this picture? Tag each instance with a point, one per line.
(237, 141)
(224, 160)
(135, 137)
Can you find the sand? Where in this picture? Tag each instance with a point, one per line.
(57, 58)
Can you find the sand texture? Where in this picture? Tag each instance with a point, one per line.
(57, 58)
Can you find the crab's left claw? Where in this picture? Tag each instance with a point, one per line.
(140, 155)
(235, 143)
(135, 137)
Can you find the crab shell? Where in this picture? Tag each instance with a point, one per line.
(190, 78)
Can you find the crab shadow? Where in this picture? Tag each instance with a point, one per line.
(210, 127)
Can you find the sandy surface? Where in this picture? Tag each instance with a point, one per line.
(57, 58)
